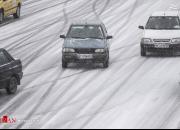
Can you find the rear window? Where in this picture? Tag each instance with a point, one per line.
(163, 23)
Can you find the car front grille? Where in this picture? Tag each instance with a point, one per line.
(85, 51)
(162, 40)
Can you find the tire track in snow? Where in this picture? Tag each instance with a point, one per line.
(11, 20)
(101, 11)
(80, 72)
(92, 115)
(65, 22)
(53, 84)
(97, 15)
(68, 76)
(112, 95)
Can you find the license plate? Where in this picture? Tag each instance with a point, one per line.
(85, 56)
(161, 45)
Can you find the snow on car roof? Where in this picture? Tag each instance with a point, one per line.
(88, 23)
(166, 13)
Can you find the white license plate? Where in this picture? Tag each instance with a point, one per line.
(85, 56)
(161, 45)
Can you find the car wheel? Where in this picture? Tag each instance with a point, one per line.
(18, 13)
(1, 16)
(143, 52)
(64, 64)
(12, 86)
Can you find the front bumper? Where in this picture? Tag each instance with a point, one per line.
(173, 48)
(75, 57)
(20, 75)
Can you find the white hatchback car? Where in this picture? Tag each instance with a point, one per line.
(161, 34)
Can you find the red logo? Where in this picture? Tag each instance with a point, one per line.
(7, 120)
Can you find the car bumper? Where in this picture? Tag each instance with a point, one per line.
(75, 57)
(20, 75)
(175, 48)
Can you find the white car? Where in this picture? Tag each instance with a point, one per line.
(161, 34)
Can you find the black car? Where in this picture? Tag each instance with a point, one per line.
(86, 42)
(10, 72)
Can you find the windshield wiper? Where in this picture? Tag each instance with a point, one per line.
(87, 37)
(154, 28)
(78, 37)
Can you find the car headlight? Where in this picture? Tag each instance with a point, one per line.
(99, 51)
(68, 50)
(147, 41)
(176, 41)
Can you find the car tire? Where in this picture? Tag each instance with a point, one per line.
(1, 16)
(64, 64)
(12, 86)
(143, 51)
(17, 15)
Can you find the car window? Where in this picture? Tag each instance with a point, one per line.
(163, 23)
(86, 31)
(3, 59)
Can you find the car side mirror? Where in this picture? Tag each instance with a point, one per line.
(141, 27)
(62, 36)
(109, 37)
(16, 59)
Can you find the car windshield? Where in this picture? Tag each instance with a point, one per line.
(163, 23)
(86, 31)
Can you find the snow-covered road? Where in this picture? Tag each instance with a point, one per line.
(134, 92)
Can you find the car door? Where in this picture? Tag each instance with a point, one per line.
(5, 69)
(7, 7)
(13, 4)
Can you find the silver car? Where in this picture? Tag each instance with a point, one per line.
(87, 42)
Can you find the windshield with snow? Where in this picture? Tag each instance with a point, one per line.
(163, 23)
(85, 31)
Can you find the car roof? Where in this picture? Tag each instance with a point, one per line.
(88, 23)
(166, 13)
(1, 49)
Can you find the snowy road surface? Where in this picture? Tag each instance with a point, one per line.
(134, 92)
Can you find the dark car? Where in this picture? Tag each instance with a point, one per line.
(87, 42)
(10, 72)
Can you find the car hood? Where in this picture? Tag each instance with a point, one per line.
(84, 43)
(162, 34)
